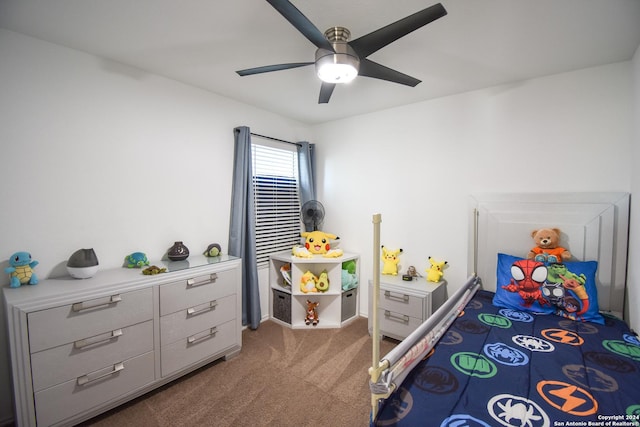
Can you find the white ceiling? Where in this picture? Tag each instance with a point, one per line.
(480, 43)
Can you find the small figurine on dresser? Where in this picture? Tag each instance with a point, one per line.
(214, 249)
(21, 270)
(136, 260)
(411, 274)
(83, 264)
(435, 273)
(390, 260)
(178, 252)
(153, 270)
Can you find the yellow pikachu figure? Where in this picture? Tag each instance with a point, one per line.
(308, 282)
(390, 260)
(434, 273)
(317, 243)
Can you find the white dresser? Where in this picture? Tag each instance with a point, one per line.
(81, 347)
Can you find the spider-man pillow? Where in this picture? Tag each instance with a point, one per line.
(567, 289)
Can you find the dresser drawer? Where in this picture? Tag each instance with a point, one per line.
(187, 322)
(397, 325)
(198, 346)
(69, 323)
(62, 363)
(70, 398)
(400, 302)
(194, 291)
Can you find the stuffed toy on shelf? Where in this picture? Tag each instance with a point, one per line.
(322, 284)
(317, 243)
(308, 283)
(349, 276)
(311, 317)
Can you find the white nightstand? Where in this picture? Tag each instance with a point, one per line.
(404, 305)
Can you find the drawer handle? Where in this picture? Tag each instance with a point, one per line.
(84, 380)
(402, 298)
(88, 341)
(79, 306)
(208, 307)
(191, 283)
(193, 339)
(397, 318)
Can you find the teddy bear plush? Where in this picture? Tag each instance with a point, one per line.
(548, 249)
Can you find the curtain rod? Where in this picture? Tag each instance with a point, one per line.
(275, 139)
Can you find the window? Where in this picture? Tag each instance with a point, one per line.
(277, 200)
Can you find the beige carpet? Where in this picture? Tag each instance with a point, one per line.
(282, 377)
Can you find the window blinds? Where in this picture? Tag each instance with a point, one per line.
(277, 200)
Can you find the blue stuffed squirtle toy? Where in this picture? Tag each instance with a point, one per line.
(21, 270)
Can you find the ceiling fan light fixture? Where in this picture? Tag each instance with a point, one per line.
(337, 68)
(341, 65)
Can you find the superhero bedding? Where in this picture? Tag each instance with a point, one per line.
(498, 366)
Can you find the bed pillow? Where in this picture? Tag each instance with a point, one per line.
(577, 299)
(510, 297)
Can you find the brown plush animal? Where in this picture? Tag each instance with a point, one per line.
(312, 313)
(547, 247)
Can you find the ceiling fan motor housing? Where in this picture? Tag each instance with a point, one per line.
(340, 66)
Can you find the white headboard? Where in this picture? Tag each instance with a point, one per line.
(594, 227)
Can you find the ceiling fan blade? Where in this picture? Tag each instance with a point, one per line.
(302, 23)
(372, 42)
(372, 69)
(270, 68)
(325, 92)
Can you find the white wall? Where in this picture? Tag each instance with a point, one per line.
(633, 278)
(417, 165)
(97, 154)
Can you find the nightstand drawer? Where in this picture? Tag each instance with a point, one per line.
(197, 318)
(196, 347)
(59, 364)
(397, 325)
(400, 302)
(57, 403)
(186, 293)
(404, 305)
(69, 323)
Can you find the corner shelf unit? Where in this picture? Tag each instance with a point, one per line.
(288, 304)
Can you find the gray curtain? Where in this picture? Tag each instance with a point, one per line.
(242, 230)
(306, 171)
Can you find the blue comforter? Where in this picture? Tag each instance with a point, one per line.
(502, 367)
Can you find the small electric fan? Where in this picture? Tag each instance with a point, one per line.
(312, 215)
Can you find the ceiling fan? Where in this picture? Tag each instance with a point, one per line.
(339, 60)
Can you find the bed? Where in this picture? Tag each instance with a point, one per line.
(500, 353)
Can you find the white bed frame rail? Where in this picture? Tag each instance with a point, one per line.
(388, 373)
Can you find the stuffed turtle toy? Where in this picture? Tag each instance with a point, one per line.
(154, 269)
(21, 270)
(213, 249)
(136, 259)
